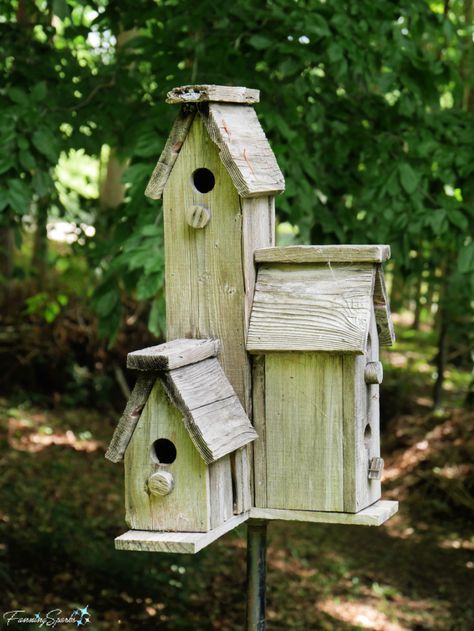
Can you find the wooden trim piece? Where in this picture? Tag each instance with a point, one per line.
(168, 157)
(176, 542)
(221, 93)
(172, 355)
(130, 417)
(383, 317)
(374, 515)
(324, 254)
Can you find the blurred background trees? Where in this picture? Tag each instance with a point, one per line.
(368, 107)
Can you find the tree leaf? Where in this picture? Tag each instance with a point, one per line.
(18, 96)
(6, 163)
(466, 258)
(19, 196)
(26, 160)
(38, 93)
(260, 42)
(409, 179)
(46, 143)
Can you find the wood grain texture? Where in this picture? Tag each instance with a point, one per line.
(172, 355)
(205, 293)
(304, 431)
(382, 310)
(168, 157)
(374, 515)
(311, 307)
(187, 507)
(258, 230)
(259, 421)
(373, 372)
(324, 254)
(220, 93)
(129, 419)
(361, 427)
(213, 414)
(244, 149)
(220, 491)
(177, 542)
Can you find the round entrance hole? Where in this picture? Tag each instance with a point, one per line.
(203, 180)
(163, 451)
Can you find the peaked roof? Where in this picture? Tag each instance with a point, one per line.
(198, 387)
(233, 126)
(318, 298)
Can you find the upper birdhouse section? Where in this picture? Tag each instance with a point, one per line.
(233, 126)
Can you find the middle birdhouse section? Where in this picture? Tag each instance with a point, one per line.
(316, 319)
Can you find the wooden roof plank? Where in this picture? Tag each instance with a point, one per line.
(168, 156)
(244, 149)
(173, 354)
(313, 307)
(213, 93)
(324, 254)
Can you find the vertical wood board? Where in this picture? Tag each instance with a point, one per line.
(186, 509)
(259, 446)
(304, 431)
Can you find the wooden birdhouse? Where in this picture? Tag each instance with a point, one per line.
(176, 436)
(298, 351)
(316, 320)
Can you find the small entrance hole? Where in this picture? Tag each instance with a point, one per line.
(203, 180)
(163, 451)
(367, 436)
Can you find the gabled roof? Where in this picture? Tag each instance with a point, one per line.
(198, 387)
(317, 298)
(233, 126)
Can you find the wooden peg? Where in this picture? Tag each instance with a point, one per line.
(198, 216)
(373, 373)
(375, 468)
(161, 483)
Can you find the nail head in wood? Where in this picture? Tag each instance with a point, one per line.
(373, 373)
(161, 483)
(198, 216)
(376, 468)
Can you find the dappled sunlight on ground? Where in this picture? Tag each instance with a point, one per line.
(364, 615)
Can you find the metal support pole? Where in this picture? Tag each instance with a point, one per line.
(256, 574)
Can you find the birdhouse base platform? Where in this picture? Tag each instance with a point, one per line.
(183, 542)
(374, 515)
(192, 542)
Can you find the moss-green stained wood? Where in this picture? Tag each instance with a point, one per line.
(304, 431)
(259, 446)
(186, 508)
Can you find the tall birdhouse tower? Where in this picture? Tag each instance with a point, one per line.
(263, 402)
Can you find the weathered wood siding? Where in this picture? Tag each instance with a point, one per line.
(186, 509)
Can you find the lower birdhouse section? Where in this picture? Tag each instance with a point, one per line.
(168, 486)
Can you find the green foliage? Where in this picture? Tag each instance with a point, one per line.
(365, 104)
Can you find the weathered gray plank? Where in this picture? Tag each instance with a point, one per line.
(324, 254)
(172, 355)
(220, 491)
(304, 431)
(382, 310)
(311, 307)
(244, 149)
(259, 446)
(180, 542)
(374, 515)
(129, 419)
(221, 93)
(186, 508)
(169, 154)
(220, 428)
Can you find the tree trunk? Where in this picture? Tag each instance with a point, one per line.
(39, 259)
(417, 298)
(440, 360)
(7, 251)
